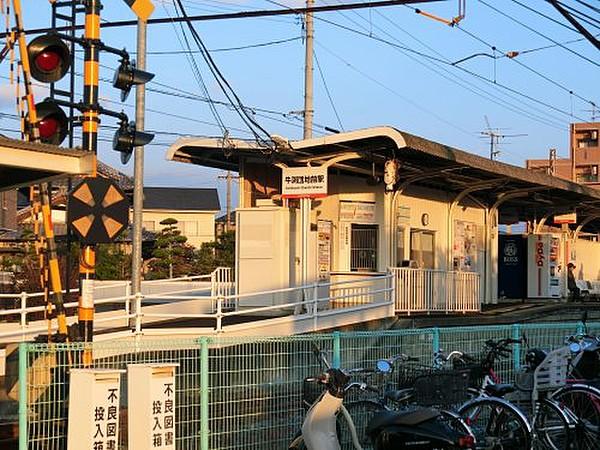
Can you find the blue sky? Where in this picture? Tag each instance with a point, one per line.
(406, 81)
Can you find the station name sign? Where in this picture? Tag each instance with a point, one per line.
(304, 182)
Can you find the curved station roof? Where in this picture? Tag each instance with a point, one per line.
(525, 195)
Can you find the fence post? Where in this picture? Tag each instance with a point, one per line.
(138, 312)
(337, 350)
(580, 327)
(23, 309)
(128, 301)
(219, 313)
(435, 339)
(516, 334)
(23, 404)
(204, 389)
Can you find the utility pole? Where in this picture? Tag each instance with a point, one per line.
(308, 72)
(229, 177)
(138, 170)
(306, 203)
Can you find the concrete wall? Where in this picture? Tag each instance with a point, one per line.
(587, 260)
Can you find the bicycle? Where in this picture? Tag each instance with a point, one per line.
(551, 425)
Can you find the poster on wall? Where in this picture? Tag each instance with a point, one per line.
(465, 246)
(357, 212)
(324, 235)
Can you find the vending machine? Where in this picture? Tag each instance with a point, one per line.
(544, 266)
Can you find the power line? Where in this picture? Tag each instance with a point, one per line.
(393, 91)
(531, 69)
(327, 91)
(479, 91)
(233, 15)
(533, 30)
(545, 16)
(224, 85)
(446, 62)
(224, 49)
(572, 21)
(442, 65)
(198, 76)
(593, 8)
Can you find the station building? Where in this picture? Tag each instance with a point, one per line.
(433, 214)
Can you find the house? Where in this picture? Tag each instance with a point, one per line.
(193, 208)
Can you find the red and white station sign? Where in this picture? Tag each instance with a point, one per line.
(304, 182)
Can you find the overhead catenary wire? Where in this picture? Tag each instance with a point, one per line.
(533, 30)
(527, 67)
(446, 62)
(581, 15)
(455, 78)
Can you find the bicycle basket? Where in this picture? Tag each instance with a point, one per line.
(440, 388)
(476, 373)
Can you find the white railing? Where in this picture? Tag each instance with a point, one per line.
(429, 290)
(315, 306)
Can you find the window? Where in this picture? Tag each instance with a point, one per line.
(189, 228)
(587, 138)
(363, 248)
(422, 248)
(148, 225)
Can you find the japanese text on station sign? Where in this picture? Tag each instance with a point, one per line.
(304, 182)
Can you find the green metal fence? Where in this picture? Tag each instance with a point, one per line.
(240, 393)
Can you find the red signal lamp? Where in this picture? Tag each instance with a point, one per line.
(53, 124)
(50, 58)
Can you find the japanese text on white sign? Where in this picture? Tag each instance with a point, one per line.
(304, 182)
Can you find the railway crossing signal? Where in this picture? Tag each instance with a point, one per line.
(98, 211)
(127, 137)
(53, 124)
(128, 76)
(50, 58)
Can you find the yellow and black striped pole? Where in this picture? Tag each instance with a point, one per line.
(90, 124)
(44, 194)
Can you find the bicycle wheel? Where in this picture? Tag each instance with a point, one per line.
(361, 412)
(551, 426)
(496, 424)
(583, 403)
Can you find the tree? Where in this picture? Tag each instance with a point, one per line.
(220, 253)
(112, 263)
(172, 256)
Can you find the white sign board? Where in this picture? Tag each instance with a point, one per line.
(151, 413)
(94, 409)
(304, 182)
(358, 212)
